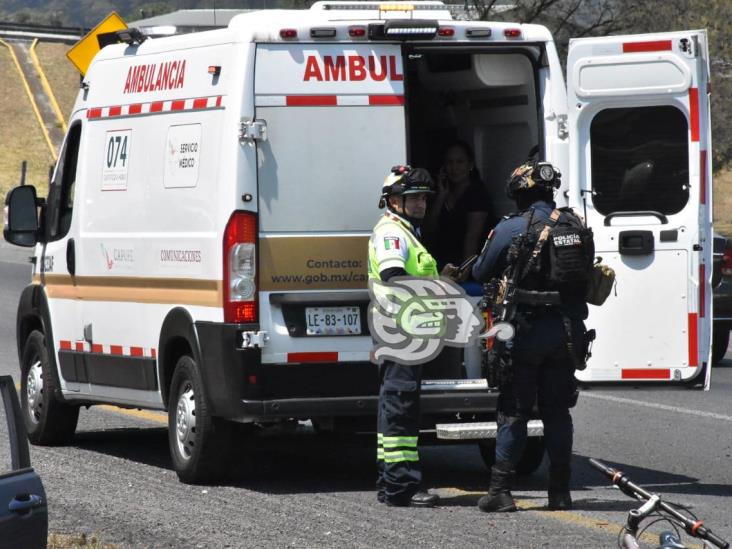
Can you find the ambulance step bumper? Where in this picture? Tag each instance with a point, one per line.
(483, 429)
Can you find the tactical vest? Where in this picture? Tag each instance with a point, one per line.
(565, 260)
(419, 261)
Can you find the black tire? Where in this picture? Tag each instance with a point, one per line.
(720, 342)
(487, 449)
(200, 445)
(532, 458)
(48, 421)
(529, 462)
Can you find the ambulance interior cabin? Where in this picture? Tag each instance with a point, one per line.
(488, 99)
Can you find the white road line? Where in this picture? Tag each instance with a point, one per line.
(657, 406)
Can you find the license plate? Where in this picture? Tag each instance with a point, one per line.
(333, 320)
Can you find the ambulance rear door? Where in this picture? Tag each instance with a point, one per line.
(335, 123)
(640, 153)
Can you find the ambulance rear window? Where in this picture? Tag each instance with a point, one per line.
(640, 160)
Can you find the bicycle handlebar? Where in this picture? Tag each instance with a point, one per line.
(692, 527)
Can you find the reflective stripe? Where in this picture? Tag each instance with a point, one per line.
(400, 445)
(404, 441)
(401, 455)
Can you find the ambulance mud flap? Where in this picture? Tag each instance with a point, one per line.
(481, 430)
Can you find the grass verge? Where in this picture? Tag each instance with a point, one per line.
(65, 541)
(723, 201)
(62, 75)
(20, 135)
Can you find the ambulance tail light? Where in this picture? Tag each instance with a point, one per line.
(240, 268)
(446, 31)
(288, 34)
(356, 32)
(512, 33)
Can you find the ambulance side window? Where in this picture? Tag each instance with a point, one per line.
(640, 159)
(61, 193)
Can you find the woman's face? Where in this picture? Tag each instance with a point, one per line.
(457, 164)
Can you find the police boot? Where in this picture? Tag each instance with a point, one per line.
(559, 496)
(419, 499)
(499, 498)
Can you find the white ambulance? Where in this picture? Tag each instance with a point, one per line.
(203, 246)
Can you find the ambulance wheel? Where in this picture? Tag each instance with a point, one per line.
(487, 450)
(529, 462)
(48, 421)
(533, 456)
(720, 342)
(200, 445)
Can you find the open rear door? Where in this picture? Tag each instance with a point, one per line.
(640, 149)
(335, 124)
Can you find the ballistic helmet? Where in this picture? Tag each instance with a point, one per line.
(532, 175)
(403, 180)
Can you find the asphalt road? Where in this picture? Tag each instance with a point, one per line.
(302, 490)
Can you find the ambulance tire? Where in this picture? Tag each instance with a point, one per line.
(200, 444)
(48, 421)
(720, 342)
(529, 462)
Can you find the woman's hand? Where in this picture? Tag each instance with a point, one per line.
(452, 272)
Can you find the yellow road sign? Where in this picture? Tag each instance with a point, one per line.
(82, 53)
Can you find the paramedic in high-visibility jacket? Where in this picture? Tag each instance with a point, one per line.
(395, 250)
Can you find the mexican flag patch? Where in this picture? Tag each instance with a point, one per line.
(391, 243)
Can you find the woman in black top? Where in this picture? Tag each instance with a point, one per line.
(459, 214)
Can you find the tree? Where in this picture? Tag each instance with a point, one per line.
(577, 18)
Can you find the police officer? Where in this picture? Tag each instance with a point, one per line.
(395, 250)
(547, 346)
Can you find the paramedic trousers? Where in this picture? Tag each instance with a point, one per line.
(543, 374)
(399, 472)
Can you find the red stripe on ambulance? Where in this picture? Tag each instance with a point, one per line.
(656, 45)
(311, 101)
(694, 113)
(703, 177)
(646, 373)
(386, 100)
(177, 105)
(693, 341)
(98, 348)
(312, 357)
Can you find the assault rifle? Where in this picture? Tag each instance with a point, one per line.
(503, 296)
(499, 301)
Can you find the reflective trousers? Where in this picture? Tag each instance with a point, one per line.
(543, 374)
(399, 472)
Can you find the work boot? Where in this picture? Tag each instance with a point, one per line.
(420, 499)
(559, 496)
(499, 498)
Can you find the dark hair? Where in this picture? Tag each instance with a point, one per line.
(462, 145)
(468, 150)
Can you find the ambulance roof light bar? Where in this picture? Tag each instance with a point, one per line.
(385, 10)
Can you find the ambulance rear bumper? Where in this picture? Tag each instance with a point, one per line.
(241, 388)
(303, 408)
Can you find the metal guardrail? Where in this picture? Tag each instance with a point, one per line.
(45, 32)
